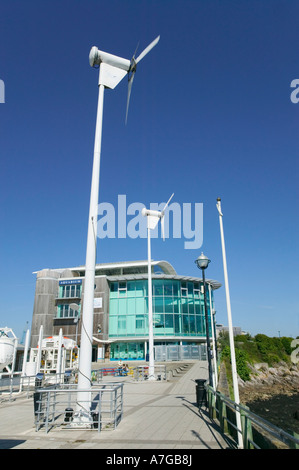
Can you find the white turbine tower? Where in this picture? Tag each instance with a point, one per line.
(112, 70)
(153, 218)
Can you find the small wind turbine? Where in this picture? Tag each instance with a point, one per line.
(153, 218)
(112, 69)
(115, 68)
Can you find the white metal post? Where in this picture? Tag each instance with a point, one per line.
(59, 355)
(112, 70)
(84, 371)
(151, 369)
(230, 329)
(39, 351)
(215, 379)
(26, 348)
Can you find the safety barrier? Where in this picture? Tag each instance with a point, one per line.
(12, 384)
(57, 406)
(138, 373)
(257, 433)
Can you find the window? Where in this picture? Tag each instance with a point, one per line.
(70, 290)
(141, 288)
(177, 324)
(167, 288)
(184, 289)
(192, 324)
(168, 301)
(175, 286)
(158, 304)
(158, 321)
(127, 351)
(158, 287)
(197, 307)
(185, 324)
(196, 289)
(122, 289)
(140, 322)
(64, 311)
(200, 324)
(121, 324)
(169, 321)
(122, 306)
(184, 306)
(114, 287)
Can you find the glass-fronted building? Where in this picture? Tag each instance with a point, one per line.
(121, 307)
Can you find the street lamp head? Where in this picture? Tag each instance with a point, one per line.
(202, 261)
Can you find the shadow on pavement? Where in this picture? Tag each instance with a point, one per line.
(10, 443)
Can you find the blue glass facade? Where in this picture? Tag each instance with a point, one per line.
(178, 313)
(120, 313)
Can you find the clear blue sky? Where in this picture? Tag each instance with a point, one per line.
(210, 116)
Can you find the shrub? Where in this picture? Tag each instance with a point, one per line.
(274, 349)
(242, 360)
(242, 367)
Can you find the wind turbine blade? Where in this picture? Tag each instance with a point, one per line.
(167, 203)
(130, 83)
(147, 49)
(136, 50)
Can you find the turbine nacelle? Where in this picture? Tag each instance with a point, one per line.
(157, 214)
(97, 57)
(113, 68)
(153, 217)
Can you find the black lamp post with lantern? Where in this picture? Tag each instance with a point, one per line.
(202, 263)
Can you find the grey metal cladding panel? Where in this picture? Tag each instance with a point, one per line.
(44, 304)
(46, 286)
(41, 319)
(101, 290)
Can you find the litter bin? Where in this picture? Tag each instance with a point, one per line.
(38, 379)
(68, 416)
(95, 418)
(201, 393)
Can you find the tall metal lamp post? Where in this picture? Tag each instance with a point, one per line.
(230, 328)
(202, 263)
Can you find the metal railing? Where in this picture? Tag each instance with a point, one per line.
(57, 406)
(10, 383)
(141, 372)
(257, 433)
(13, 384)
(136, 373)
(180, 352)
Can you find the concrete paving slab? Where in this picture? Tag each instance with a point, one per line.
(157, 415)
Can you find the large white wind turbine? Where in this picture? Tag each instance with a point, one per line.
(112, 70)
(153, 218)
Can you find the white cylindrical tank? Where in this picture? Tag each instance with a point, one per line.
(7, 347)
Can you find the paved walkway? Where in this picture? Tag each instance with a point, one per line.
(157, 415)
